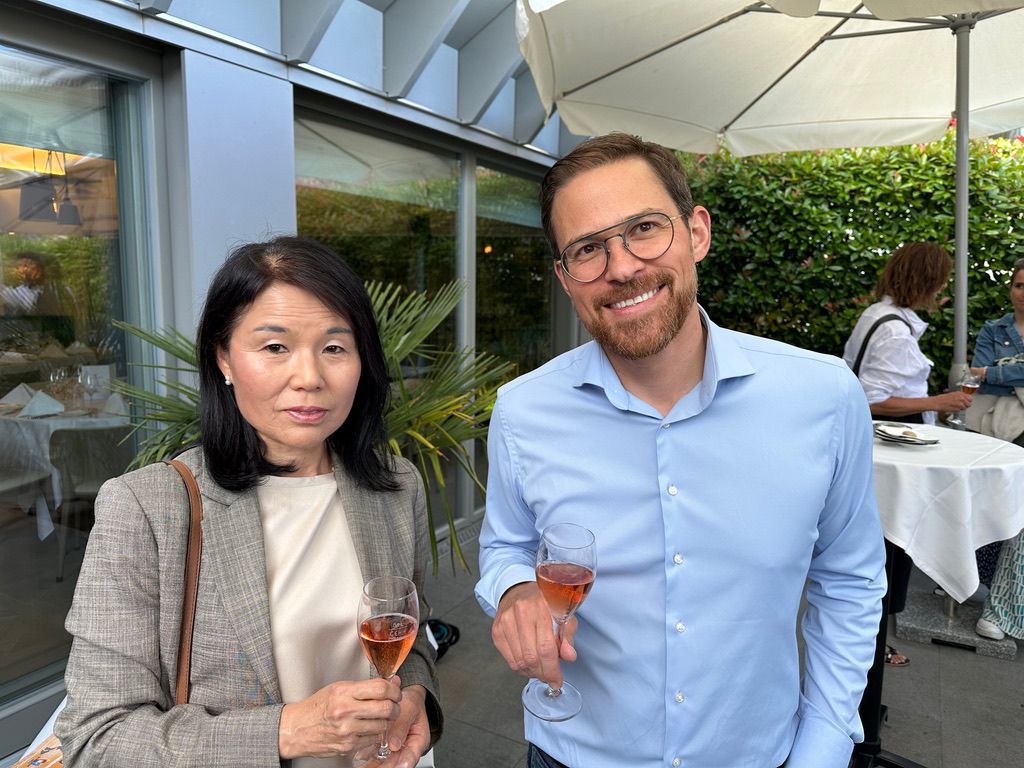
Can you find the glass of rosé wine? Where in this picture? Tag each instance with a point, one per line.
(969, 384)
(566, 567)
(388, 623)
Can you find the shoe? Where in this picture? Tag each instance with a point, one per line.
(894, 658)
(988, 629)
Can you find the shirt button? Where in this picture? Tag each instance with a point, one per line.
(678, 559)
(680, 627)
(672, 490)
(664, 426)
(679, 697)
(676, 763)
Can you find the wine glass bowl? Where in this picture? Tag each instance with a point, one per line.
(566, 565)
(968, 384)
(388, 621)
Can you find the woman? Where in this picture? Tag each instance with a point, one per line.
(883, 351)
(893, 370)
(999, 362)
(302, 504)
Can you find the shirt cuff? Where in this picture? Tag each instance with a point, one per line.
(514, 574)
(819, 743)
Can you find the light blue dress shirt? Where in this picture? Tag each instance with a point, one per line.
(709, 522)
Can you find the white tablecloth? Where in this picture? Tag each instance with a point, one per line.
(26, 442)
(942, 502)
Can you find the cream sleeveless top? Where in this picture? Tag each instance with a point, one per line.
(314, 583)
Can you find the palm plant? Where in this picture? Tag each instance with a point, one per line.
(440, 403)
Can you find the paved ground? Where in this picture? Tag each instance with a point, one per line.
(949, 708)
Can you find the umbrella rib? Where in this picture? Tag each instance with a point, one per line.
(643, 57)
(789, 69)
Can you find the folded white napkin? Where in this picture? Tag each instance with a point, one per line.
(41, 404)
(115, 405)
(20, 395)
(75, 347)
(52, 350)
(13, 357)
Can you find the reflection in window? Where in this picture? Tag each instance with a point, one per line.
(513, 271)
(387, 208)
(60, 287)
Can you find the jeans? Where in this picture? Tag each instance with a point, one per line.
(537, 758)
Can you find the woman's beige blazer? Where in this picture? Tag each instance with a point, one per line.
(127, 610)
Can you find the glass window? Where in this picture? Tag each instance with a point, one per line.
(61, 266)
(387, 208)
(513, 271)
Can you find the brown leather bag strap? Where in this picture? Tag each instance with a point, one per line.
(193, 559)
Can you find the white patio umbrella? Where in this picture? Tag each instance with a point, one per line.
(785, 75)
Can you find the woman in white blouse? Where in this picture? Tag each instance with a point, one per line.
(892, 368)
(884, 352)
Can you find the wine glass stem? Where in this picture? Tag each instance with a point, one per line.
(383, 751)
(553, 692)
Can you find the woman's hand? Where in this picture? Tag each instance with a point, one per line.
(409, 735)
(948, 402)
(339, 719)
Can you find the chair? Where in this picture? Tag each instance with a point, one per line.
(85, 457)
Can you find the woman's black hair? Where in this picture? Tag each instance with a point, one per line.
(234, 452)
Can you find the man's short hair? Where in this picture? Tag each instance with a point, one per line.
(914, 275)
(602, 150)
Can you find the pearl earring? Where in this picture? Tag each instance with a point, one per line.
(227, 380)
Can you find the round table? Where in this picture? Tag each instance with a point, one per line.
(942, 502)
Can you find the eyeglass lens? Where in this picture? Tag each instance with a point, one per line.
(647, 236)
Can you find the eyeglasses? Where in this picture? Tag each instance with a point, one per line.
(646, 236)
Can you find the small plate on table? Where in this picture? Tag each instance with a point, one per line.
(901, 433)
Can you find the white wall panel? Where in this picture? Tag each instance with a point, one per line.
(232, 149)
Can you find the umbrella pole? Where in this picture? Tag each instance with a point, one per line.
(962, 30)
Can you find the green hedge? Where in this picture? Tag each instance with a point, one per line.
(798, 239)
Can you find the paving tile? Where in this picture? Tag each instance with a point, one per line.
(477, 687)
(467, 746)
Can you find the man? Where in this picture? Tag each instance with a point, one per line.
(720, 473)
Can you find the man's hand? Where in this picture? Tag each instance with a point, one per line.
(523, 633)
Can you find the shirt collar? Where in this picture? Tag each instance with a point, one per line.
(723, 359)
(917, 325)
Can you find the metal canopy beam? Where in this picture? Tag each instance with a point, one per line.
(529, 117)
(303, 24)
(153, 7)
(485, 64)
(413, 31)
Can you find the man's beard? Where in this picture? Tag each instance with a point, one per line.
(641, 337)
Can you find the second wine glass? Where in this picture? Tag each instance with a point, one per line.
(566, 565)
(388, 623)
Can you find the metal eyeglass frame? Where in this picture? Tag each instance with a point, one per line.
(625, 243)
